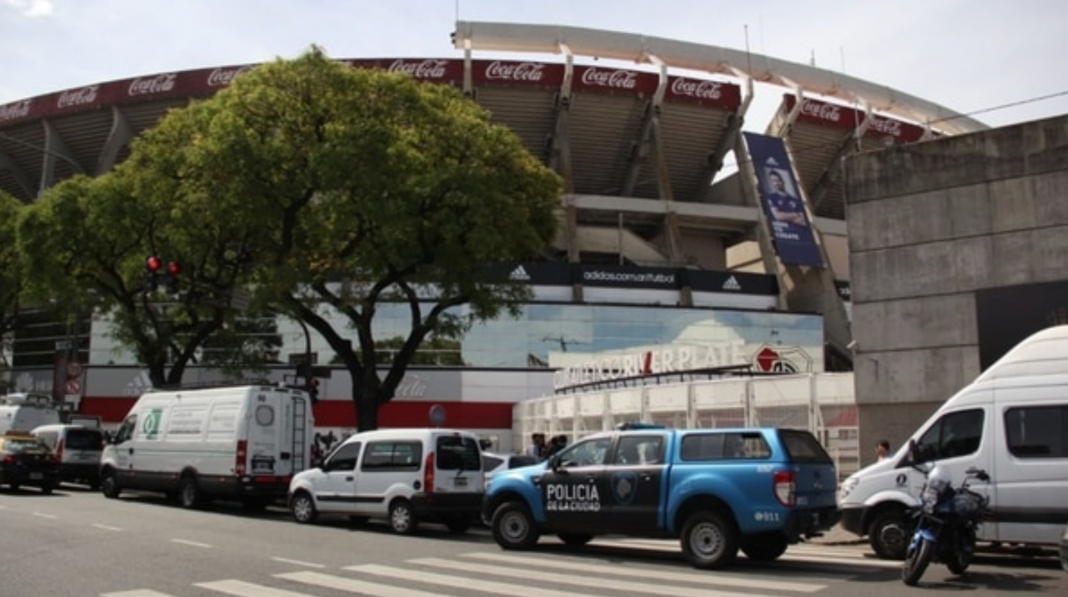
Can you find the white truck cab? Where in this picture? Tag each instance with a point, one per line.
(1012, 422)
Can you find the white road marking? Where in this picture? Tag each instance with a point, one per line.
(137, 593)
(193, 543)
(43, 515)
(353, 585)
(298, 562)
(247, 589)
(107, 528)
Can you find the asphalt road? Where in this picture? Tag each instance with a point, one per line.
(76, 543)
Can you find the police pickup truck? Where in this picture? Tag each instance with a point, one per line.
(716, 490)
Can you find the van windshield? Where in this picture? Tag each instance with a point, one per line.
(458, 453)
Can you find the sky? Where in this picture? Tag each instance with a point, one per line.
(1000, 61)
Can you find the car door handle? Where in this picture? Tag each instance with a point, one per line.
(349, 478)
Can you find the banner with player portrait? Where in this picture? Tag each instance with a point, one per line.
(791, 231)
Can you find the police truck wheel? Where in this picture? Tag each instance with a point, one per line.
(513, 527)
(402, 518)
(109, 485)
(709, 540)
(303, 508)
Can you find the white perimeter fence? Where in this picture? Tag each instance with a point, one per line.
(822, 403)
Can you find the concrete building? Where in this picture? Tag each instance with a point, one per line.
(957, 252)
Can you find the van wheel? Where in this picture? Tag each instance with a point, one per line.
(402, 518)
(513, 527)
(189, 494)
(303, 508)
(109, 485)
(889, 534)
(709, 540)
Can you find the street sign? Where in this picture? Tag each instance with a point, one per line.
(73, 386)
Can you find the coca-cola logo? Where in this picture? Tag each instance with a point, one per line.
(424, 69)
(154, 84)
(412, 386)
(78, 97)
(886, 126)
(15, 110)
(697, 89)
(828, 112)
(515, 71)
(221, 77)
(616, 79)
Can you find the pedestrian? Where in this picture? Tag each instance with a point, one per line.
(882, 450)
(536, 448)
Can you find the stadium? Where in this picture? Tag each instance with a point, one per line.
(671, 261)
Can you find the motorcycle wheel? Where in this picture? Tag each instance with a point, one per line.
(961, 557)
(916, 561)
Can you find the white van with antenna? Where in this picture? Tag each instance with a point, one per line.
(1012, 422)
(242, 443)
(25, 411)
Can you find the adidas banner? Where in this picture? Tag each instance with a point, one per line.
(783, 203)
(535, 274)
(623, 276)
(731, 282)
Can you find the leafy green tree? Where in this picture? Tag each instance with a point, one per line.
(369, 187)
(11, 274)
(87, 241)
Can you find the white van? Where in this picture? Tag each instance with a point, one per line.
(243, 443)
(78, 449)
(403, 475)
(23, 412)
(1012, 422)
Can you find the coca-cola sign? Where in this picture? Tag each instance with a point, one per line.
(885, 126)
(222, 77)
(82, 96)
(526, 72)
(420, 69)
(15, 110)
(821, 111)
(152, 85)
(612, 79)
(697, 89)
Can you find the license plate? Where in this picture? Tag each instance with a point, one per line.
(36, 476)
(460, 482)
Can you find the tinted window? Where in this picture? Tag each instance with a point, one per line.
(587, 453)
(955, 434)
(521, 460)
(639, 449)
(726, 445)
(393, 456)
(802, 446)
(490, 462)
(1037, 432)
(458, 453)
(84, 439)
(344, 458)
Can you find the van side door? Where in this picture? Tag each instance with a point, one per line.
(630, 493)
(335, 491)
(1031, 473)
(571, 486)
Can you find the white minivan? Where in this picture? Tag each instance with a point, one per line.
(1012, 422)
(402, 475)
(242, 443)
(78, 449)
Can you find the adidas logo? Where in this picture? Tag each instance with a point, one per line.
(138, 385)
(732, 284)
(519, 274)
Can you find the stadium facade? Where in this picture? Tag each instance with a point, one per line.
(670, 258)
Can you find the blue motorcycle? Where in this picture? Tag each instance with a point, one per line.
(946, 524)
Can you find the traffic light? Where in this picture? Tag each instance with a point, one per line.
(310, 383)
(152, 267)
(313, 389)
(173, 271)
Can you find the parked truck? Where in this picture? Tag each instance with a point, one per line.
(716, 490)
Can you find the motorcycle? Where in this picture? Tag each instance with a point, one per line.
(946, 523)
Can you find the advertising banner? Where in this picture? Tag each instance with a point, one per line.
(781, 197)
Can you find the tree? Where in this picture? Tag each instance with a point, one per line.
(370, 187)
(87, 241)
(11, 274)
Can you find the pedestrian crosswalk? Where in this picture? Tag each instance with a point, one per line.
(544, 573)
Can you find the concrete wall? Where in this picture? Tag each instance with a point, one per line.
(929, 224)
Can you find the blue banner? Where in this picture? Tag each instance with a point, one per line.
(791, 232)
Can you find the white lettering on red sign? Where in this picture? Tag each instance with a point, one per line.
(15, 110)
(616, 79)
(829, 112)
(424, 69)
(886, 126)
(514, 71)
(78, 97)
(697, 89)
(154, 84)
(224, 76)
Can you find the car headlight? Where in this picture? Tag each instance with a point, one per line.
(847, 487)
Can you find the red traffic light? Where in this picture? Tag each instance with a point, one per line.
(153, 263)
(173, 268)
